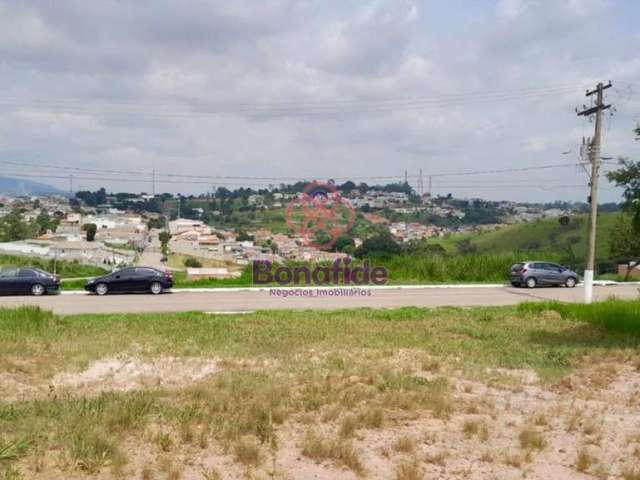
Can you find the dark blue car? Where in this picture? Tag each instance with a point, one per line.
(131, 280)
(28, 281)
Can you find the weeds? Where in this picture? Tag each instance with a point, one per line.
(531, 439)
(342, 452)
(584, 460)
(408, 470)
(405, 444)
(90, 451)
(247, 452)
(475, 428)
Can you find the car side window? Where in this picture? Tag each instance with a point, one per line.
(145, 272)
(25, 273)
(536, 266)
(9, 273)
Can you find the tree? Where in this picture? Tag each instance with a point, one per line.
(91, 229)
(344, 243)
(156, 223)
(381, 245)
(625, 239)
(244, 236)
(13, 227)
(624, 245)
(628, 177)
(45, 223)
(164, 238)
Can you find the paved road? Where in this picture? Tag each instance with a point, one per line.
(246, 300)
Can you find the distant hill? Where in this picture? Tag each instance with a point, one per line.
(17, 186)
(541, 236)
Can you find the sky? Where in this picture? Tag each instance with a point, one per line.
(211, 93)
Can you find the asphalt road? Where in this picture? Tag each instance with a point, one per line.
(222, 300)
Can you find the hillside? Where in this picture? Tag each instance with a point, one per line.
(18, 186)
(544, 236)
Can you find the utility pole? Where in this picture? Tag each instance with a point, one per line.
(594, 157)
(420, 184)
(71, 184)
(429, 186)
(405, 176)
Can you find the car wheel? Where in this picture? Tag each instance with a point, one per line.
(531, 282)
(570, 282)
(156, 288)
(37, 290)
(102, 289)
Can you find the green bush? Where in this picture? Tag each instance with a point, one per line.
(192, 262)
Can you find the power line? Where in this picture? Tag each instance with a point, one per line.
(79, 106)
(289, 178)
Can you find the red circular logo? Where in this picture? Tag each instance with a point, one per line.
(319, 214)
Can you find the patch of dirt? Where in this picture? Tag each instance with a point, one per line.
(118, 374)
(125, 374)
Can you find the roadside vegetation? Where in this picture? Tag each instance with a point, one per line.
(63, 268)
(333, 393)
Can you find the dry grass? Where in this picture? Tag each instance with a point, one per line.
(247, 452)
(477, 428)
(279, 374)
(584, 460)
(408, 470)
(437, 458)
(531, 439)
(405, 444)
(341, 452)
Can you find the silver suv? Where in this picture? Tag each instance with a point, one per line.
(532, 274)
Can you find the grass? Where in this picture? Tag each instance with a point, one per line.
(408, 470)
(547, 235)
(341, 452)
(491, 337)
(612, 315)
(341, 367)
(531, 439)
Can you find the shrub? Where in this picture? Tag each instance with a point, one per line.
(192, 262)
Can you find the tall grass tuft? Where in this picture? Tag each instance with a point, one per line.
(25, 320)
(612, 315)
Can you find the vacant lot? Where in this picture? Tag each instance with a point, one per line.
(539, 391)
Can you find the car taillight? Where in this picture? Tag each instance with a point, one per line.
(168, 275)
(524, 270)
(57, 278)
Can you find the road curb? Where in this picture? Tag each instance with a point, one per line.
(604, 283)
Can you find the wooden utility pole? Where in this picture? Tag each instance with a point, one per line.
(594, 158)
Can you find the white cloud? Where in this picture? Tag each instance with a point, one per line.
(308, 87)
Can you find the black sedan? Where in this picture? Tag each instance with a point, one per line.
(130, 280)
(28, 281)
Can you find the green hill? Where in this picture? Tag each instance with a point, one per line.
(545, 236)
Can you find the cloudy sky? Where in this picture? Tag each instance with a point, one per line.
(110, 90)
